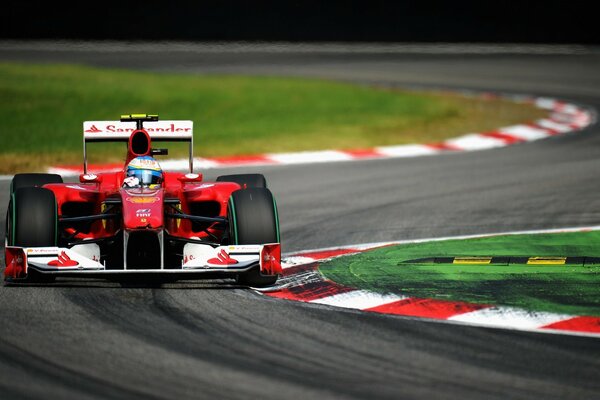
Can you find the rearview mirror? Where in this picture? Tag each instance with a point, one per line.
(190, 178)
(90, 178)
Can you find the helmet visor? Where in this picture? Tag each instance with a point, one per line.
(146, 177)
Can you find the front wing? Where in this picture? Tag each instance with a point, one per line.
(199, 261)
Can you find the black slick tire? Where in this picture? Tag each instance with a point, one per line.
(32, 221)
(253, 219)
(33, 179)
(245, 180)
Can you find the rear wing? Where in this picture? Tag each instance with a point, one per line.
(120, 131)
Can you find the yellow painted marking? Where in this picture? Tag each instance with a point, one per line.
(103, 208)
(472, 260)
(547, 260)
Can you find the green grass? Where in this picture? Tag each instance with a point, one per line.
(42, 108)
(567, 289)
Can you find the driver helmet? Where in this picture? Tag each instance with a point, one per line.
(143, 171)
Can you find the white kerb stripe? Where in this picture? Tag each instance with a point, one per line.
(290, 262)
(204, 163)
(549, 124)
(407, 150)
(175, 165)
(510, 317)
(61, 171)
(569, 109)
(583, 117)
(525, 132)
(358, 299)
(545, 102)
(582, 120)
(309, 157)
(475, 141)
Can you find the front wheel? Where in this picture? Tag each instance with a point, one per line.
(33, 179)
(32, 221)
(245, 180)
(253, 219)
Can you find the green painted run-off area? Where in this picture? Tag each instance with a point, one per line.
(571, 289)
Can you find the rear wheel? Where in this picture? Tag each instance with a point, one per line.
(245, 180)
(253, 219)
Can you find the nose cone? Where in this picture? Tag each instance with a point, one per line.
(143, 208)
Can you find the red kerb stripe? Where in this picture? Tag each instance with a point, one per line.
(363, 153)
(549, 130)
(508, 139)
(581, 324)
(311, 291)
(443, 146)
(427, 308)
(320, 255)
(251, 159)
(559, 105)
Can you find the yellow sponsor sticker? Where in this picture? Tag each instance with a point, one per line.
(142, 200)
(472, 260)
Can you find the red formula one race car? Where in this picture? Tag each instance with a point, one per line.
(142, 222)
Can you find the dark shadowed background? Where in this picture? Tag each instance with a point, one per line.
(551, 21)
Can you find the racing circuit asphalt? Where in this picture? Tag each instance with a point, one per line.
(209, 340)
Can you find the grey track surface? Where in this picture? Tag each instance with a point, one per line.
(209, 340)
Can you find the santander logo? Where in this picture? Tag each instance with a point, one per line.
(222, 259)
(63, 261)
(93, 129)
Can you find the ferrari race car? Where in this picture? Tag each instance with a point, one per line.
(141, 222)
